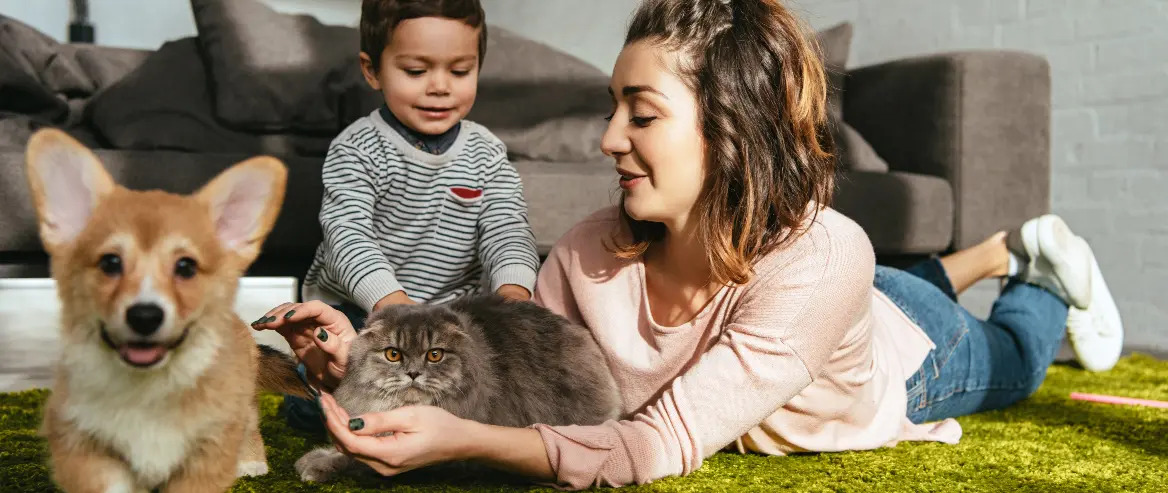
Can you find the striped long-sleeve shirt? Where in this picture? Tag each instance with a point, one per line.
(436, 226)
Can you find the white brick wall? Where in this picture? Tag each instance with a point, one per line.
(1109, 63)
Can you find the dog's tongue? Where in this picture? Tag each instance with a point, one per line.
(142, 355)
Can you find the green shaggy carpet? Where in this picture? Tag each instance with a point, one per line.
(1047, 443)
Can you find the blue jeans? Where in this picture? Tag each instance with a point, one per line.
(978, 365)
(305, 414)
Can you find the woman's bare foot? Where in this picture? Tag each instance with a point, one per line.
(988, 259)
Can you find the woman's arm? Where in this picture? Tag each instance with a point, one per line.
(515, 450)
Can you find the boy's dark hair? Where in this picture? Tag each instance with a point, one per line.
(380, 17)
(762, 98)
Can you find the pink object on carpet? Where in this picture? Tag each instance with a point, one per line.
(1112, 399)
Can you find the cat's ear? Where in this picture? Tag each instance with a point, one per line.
(459, 329)
(372, 326)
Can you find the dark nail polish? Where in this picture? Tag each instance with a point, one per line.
(269, 319)
(322, 335)
(289, 314)
(356, 424)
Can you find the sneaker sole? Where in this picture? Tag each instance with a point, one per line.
(1102, 300)
(1098, 345)
(1072, 265)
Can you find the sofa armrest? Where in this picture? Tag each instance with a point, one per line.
(978, 119)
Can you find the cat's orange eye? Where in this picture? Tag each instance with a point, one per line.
(435, 355)
(393, 355)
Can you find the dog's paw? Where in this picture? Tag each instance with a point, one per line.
(320, 465)
(251, 468)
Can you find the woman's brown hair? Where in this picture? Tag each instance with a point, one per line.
(761, 95)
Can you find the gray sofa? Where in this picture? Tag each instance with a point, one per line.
(936, 152)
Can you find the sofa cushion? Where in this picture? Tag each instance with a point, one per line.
(903, 213)
(275, 72)
(39, 77)
(543, 103)
(855, 153)
(852, 151)
(106, 65)
(165, 104)
(835, 45)
(48, 80)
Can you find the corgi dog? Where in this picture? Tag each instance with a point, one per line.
(155, 385)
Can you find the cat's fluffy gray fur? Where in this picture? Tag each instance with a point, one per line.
(504, 363)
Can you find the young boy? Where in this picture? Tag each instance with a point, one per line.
(420, 205)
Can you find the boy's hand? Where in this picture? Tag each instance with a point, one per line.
(514, 292)
(319, 335)
(394, 298)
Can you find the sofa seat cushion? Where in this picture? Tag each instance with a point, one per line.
(172, 171)
(903, 213)
(558, 195)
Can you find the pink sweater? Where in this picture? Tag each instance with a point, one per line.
(806, 356)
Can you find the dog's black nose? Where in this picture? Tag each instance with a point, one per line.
(144, 319)
(413, 374)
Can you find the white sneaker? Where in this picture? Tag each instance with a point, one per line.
(1057, 260)
(1096, 334)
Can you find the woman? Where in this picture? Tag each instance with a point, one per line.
(733, 307)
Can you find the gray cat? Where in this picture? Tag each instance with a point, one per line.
(479, 357)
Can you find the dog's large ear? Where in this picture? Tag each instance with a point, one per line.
(244, 201)
(66, 181)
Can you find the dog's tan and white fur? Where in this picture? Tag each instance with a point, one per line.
(165, 396)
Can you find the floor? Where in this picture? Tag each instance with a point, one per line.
(1047, 443)
(29, 329)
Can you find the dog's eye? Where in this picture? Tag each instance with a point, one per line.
(110, 264)
(393, 355)
(435, 355)
(185, 267)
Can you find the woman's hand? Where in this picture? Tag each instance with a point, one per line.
(426, 435)
(319, 335)
(421, 436)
